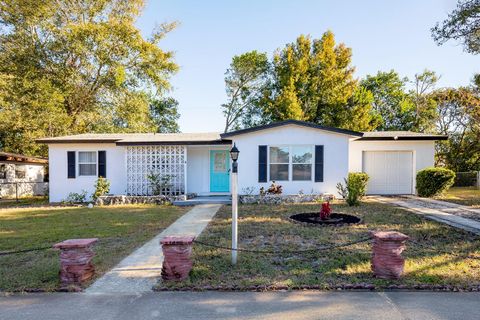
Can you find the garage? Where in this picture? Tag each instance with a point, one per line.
(390, 172)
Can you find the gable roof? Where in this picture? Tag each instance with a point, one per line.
(400, 135)
(290, 122)
(140, 138)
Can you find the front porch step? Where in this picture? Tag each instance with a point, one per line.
(204, 200)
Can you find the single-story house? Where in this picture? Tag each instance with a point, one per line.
(22, 175)
(301, 156)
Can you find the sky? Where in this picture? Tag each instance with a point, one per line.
(383, 35)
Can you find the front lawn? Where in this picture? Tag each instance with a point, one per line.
(467, 196)
(120, 229)
(436, 255)
(24, 202)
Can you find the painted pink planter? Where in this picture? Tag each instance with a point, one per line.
(177, 262)
(76, 260)
(387, 261)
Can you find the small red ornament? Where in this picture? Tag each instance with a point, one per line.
(325, 211)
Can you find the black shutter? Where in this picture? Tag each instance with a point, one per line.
(318, 163)
(71, 164)
(262, 163)
(102, 164)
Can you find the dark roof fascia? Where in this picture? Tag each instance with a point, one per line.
(409, 138)
(287, 122)
(174, 143)
(46, 141)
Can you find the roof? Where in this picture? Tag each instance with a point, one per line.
(400, 135)
(15, 157)
(140, 138)
(290, 122)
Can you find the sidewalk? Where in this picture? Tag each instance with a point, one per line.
(243, 305)
(141, 270)
(441, 211)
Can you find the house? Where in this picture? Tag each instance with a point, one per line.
(22, 175)
(301, 156)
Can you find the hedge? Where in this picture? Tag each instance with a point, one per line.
(433, 181)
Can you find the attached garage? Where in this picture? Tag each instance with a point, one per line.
(392, 159)
(390, 172)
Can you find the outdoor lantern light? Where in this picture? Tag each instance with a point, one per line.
(234, 156)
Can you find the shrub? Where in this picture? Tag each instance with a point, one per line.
(74, 197)
(354, 189)
(433, 181)
(102, 187)
(159, 183)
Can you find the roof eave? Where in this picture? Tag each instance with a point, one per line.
(408, 138)
(295, 122)
(173, 143)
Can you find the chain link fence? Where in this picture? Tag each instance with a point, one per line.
(467, 179)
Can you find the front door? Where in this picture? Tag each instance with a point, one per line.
(219, 171)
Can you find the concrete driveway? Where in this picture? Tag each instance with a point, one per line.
(243, 305)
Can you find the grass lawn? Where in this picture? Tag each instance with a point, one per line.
(23, 202)
(467, 196)
(443, 255)
(120, 229)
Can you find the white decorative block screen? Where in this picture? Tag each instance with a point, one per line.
(164, 160)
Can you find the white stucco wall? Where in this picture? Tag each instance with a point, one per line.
(335, 157)
(198, 168)
(423, 153)
(61, 186)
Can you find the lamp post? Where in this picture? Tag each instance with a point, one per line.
(234, 156)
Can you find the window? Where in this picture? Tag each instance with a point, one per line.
(279, 162)
(19, 172)
(3, 171)
(296, 159)
(87, 163)
(302, 163)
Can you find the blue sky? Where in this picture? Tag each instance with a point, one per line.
(383, 35)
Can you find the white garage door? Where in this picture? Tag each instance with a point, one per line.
(391, 172)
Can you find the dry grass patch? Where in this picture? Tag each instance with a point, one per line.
(467, 196)
(436, 255)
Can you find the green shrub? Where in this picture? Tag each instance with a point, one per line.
(159, 183)
(74, 197)
(433, 181)
(102, 187)
(354, 189)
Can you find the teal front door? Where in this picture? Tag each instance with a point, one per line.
(219, 171)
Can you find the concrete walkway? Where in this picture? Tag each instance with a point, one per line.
(441, 211)
(243, 305)
(138, 272)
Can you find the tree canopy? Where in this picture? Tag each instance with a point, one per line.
(462, 24)
(73, 67)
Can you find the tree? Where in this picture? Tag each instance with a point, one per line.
(462, 24)
(459, 118)
(312, 80)
(400, 108)
(165, 115)
(244, 82)
(73, 67)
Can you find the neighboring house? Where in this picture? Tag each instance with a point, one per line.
(301, 156)
(22, 175)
